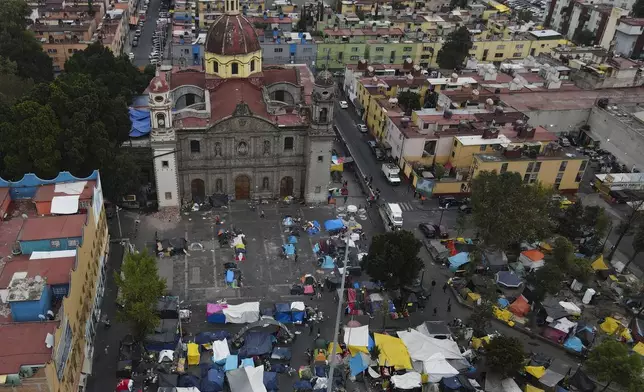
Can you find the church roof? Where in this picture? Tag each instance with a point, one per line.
(159, 85)
(225, 98)
(232, 35)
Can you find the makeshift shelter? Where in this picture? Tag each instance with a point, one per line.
(256, 343)
(530, 388)
(298, 312)
(392, 352)
(585, 333)
(456, 384)
(168, 380)
(610, 325)
(333, 225)
(458, 260)
(495, 260)
(168, 307)
(209, 337)
(247, 312)
(246, 379)
(409, 380)
(421, 347)
(327, 262)
(555, 373)
(271, 382)
(266, 324)
(639, 348)
(536, 371)
(494, 383)
(188, 381)
(220, 350)
(283, 313)
(357, 338)
(213, 381)
(215, 314)
(193, 354)
(599, 264)
(581, 381)
(571, 308)
(508, 279)
(435, 329)
(437, 368)
(532, 259)
(359, 363)
(553, 311)
(520, 307)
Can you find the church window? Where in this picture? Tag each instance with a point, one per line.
(165, 164)
(265, 183)
(288, 143)
(323, 115)
(252, 65)
(279, 95)
(195, 146)
(234, 68)
(168, 195)
(320, 158)
(215, 67)
(219, 185)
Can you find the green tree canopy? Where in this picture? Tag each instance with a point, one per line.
(638, 9)
(611, 361)
(504, 355)
(461, 4)
(638, 244)
(546, 280)
(455, 49)
(393, 259)
(139, 287)
(506, 211)
(584, 37)
(409, 100)
(481, 318)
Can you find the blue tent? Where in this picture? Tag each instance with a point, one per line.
(292, 239)
(298, 316)
(503, 303)
(574, 343)
(508, 279)
(328, 263)
(333, 224)
(458, 260)
(141, 125)
(313, 230)
(209, 337)
(270, 381)
(283, 313)
(256, 343)
(232, 362)
(316, 248)
(214, 382)
(451, 384)
(188, 380)
(230, 276)
(289, 249)
(357, 364)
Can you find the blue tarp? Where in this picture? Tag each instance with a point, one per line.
(298, 316)
(256, 343)
(214, 382)
(313, 230)
(305, 385)
(508, 279)
(289, 249)
(270, 381)
(188, 380)
(288, 221)
(451, 383)
(141, 101)
(216, 318)
(333, 224)
(458, 260)
(574, 343)
(281, 353)
(140, 122)
(292, 239)
(560, 389)
(247, 362)
(232, 362)
(283, 313)
(230, 276)
(316, 248)
(357, 365)
(503, 303)
(328, 263)
(209, 337)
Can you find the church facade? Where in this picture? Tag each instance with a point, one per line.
(238, 128)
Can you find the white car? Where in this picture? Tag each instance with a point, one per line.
(131, 56)
(362, 128)
(344, 105)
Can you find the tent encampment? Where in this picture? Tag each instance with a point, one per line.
(494, 383)
(520, 306)
(246, 379)
(421, 347)
(458, 260)
(193, 354)
(247, 312)
(508, 279)
(256, 343)
(392, 352)
(532, 259)
(438, 368)
(495, 260)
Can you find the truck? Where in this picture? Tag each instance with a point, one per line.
(392, 173)
(391, 215)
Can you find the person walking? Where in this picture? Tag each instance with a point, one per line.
(295, 257)
(261, 214)
(449, 307)
(311, 327)
(433, 284)
(435, 311)
(345, 199)
(445, 287)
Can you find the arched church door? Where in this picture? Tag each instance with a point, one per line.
(242, 187)
(286, 187)
(198, 190)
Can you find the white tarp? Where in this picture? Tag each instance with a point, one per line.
(57, 254)
(64, 205)
(248, 312)
(563, 325)
(70, 188)
(571, 308)
(256, 378)
(493, 383)
(246, 379)
(437, 368)
(166, 354)
(357, 336)
(298, 306)
(220, 350)
(408, 380)
(422, 347)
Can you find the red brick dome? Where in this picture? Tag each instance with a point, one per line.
(232, 35)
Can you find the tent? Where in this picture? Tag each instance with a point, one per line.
(458, 383)
(530, 388)
(610, 325)
(581, 381)
(214, 313)
(193, 354)
(405, 381)
(458, 260)
(555, 373)
(333, 224)
(639, 348)
(494, 383)
(283, 313)
(392, 352)
(247, 312)
(508, 279)
(298, 312)
(246, 379)
(213, 382)
(520, 306)
(535, 371)
(187, 381)
(327, 262)
(495, 260)
(232, 362)
(435, 329)
(437, 368)
(270, 381)
(532, 259)
(256, 343)
(359, 363)
(168, 307)
(265, 324)
(357, 338)
(209, 337)
(599, 264)
(421, 347)
(574, 343)
(571, 308)
(220, 350)
(553, 309)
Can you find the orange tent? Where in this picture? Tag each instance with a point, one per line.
(520, 306)
(533, 254)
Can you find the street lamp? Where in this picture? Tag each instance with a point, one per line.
(118, 220)
(440, 221)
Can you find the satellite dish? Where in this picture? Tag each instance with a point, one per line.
(38, 278)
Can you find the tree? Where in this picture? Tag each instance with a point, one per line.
(611, 361)
(409, 100)
(19, 45)
(595, 218)
(12, 86)
(638, 9)
(461, 223)
(439, 170)
(461, 4)
(139, 287)
(498, 199)
(626, 226)
(546, 280)
(431, 99)
(569, 222)
(481, 318)
(393, 259)
(455, 49)
(638, 244)
(504, 355)
(524, 15)
(584, 37)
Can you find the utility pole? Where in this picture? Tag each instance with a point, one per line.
(118, 220)
(626, 227)
(338, 317)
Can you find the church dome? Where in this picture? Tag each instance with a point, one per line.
(324, 78)
(230, 35)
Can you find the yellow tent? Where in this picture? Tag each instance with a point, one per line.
(393, 351)
(502, 314)
(536, 371)
(626, 335)
(473, 297)
(337, 167)
(530, 388)
(639, 348)
(610, 325)
(478, 342)
(193, 354)
(599, 264)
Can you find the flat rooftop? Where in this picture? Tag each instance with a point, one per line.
(569, 100)
(53, 227)
(24, 344)
(54, 270)
(478, 140)
(85, 190)
(24, 288)
(9, 232)
(566, 153)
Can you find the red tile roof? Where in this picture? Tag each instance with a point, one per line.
(24, 344)
(632, 21)
(158, 84)
(46, 192)
(9, 231)
(56, 271)
(52, 227)
(4, 192)
(194, 77)
(277, 75)
(231, 92)
(232, 35)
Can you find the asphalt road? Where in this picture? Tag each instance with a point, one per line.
(142, 51)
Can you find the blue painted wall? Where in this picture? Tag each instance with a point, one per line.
(29, 310)
(28, 247)
(26, 187)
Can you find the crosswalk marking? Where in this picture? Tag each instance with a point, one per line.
(406, 206)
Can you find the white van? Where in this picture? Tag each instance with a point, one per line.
(394, 214)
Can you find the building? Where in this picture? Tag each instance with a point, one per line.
(240, 128)
(520, 46)
(52, 280)
(629, 37)
(280, 48)
(209, 10)
(612, 73)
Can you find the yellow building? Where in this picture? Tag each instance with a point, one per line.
(531, 43)
(210, 10)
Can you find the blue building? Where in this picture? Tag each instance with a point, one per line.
(51, 233)
(29, 299)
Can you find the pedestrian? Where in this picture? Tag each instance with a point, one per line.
(311, 326)
(449, 301)
(345, 199)
(106, 347)
(435, 311)
(433, 284)
(422, 199)
(445, 287)
(345, 183)
(261, 214)
(295, 257)
(319, 334)
(318, 292)
(449, 307)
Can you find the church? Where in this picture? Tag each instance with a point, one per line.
(238, 128)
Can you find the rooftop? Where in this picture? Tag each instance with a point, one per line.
(632, 21)
(560, 153)
(84, 189)
(53, 227)
(364, 32)
(408, 128)
(478, 140)
(544, 33)
(24, 344)
(568, 100)
(54, 270)
(22, 287)
(9, 231)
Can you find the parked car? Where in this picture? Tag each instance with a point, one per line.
(372, 144)
(379, 153)
(433, 231)
(344, 104)
(135, 42)
(362, 128)
(137, 33)
(451, 201)
(465, 208)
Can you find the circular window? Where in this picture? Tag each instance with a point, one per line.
(325, 93)
(158, 98)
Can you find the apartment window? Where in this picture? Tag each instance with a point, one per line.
(482, 147)
(195, 146)
(234, 68)
(537, 167)
(500, 47)
(215, 67)
(69, 50)
(517, 54)
(563, 166)
(72, 243)
(530, 167)
(288, 143)
(168, 195)
(425, 57)
(307, 50)
(354, 57)
(453, 154)
(165, 164)
(426, 48)
(54, 244)
(474, 47)
(318, 189)
(252, 65)
(278, 50)
(579, 176)
(498, 55)
(455, 143)
(320, 158)
(520, 46)
(504, 168)
(526, 178)
(354, 49)
(533, 178)
(407, 49)
(380, 49)
(340, 56)
(558, 181)
(582, 167)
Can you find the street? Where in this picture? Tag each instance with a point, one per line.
(142, 51)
